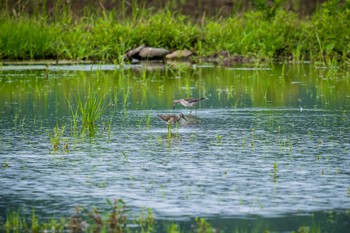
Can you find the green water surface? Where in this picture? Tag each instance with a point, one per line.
(268, 149)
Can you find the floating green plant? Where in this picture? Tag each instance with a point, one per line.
(218, 139)
(6, 164)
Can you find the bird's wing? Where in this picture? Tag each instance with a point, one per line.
(164, 117)
(191, 100)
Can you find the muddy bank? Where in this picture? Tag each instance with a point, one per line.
(147, 55)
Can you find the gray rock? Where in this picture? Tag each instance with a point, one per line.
(179, 54)
(134, 52)
(135, 61)
(153, 53)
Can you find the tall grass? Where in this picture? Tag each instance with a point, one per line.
(106, 35)
(88, 110)
(26, 38)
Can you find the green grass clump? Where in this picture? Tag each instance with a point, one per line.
(88, 110)
(261, 32)
(15, 221)
(56, 138)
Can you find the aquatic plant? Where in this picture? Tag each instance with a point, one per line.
(244, 140)
(169, 134)
(309, 134)
(203, 226)
(218, 139)
(124, 156)
(275, 171)
(109, 128)
(145, 220)
(173, 228)
(65, 145)
(14, 221)
(35, 222)
(148, 120)
(75, 222)
(253, 137)
(57, 137)
(89, 109)
(116, 220)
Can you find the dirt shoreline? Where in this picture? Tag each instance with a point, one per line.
(50, 62)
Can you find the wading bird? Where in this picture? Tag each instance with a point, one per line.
(172, 119)
(188, 102)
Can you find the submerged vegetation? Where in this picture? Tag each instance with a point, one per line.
(116, 220)
(56, 138)
(105, 35)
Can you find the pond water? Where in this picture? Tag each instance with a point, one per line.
(270, 145)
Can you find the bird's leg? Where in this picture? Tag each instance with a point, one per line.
(169, 130)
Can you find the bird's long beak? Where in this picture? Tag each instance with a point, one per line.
(184, 118)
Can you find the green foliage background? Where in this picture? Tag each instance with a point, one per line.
(262, 32)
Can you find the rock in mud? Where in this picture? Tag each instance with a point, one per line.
(133, 54)
(179, 54)
(144, 53)
(153, 53)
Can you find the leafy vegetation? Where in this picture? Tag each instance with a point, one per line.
(56, 138)
(263, 32)
(116, 220)
(89, 109)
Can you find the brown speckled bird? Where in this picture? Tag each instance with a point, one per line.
(171, 119)
(188, 102)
